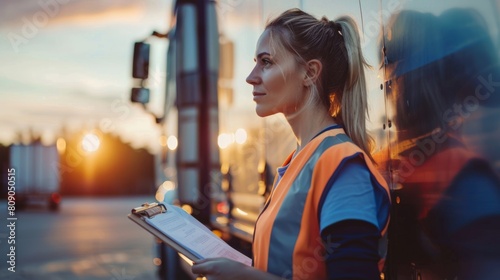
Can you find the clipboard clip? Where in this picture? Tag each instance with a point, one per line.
(149, 209)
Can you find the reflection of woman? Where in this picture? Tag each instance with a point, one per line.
(449, 203)
(329, 206)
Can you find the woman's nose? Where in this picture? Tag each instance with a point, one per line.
(253, 78)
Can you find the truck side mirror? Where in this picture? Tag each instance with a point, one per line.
(140, 67)
(140, 95)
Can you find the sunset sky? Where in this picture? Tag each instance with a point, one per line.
(68, 64)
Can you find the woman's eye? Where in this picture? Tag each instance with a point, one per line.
(266, 61)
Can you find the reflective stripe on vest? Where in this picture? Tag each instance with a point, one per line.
(287, 239)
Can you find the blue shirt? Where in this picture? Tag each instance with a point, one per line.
(352, 197)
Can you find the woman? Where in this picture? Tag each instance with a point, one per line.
(329, 206)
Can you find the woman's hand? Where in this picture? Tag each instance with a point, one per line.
(222, 269)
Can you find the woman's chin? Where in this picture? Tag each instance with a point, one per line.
(261, 112)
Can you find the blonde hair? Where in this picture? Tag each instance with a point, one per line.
(341, 87)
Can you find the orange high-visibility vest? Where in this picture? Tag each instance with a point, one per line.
(287, 239)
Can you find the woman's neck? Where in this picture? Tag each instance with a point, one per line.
(308, 124)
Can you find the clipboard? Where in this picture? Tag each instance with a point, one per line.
(148, 210)
(181, 231)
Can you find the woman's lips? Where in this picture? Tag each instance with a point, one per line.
(257, 95)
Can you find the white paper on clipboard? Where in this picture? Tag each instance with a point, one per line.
(192, 235)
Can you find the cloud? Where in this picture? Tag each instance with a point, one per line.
(16, 13)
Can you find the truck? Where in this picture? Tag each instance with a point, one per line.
(36, 175)
(223, 167)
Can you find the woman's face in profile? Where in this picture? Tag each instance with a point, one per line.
(277, 79)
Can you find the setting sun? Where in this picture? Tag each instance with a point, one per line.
(90, 142)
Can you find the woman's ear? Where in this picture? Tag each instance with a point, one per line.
(313, 72)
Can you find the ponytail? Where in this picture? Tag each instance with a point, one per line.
(354, 104)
